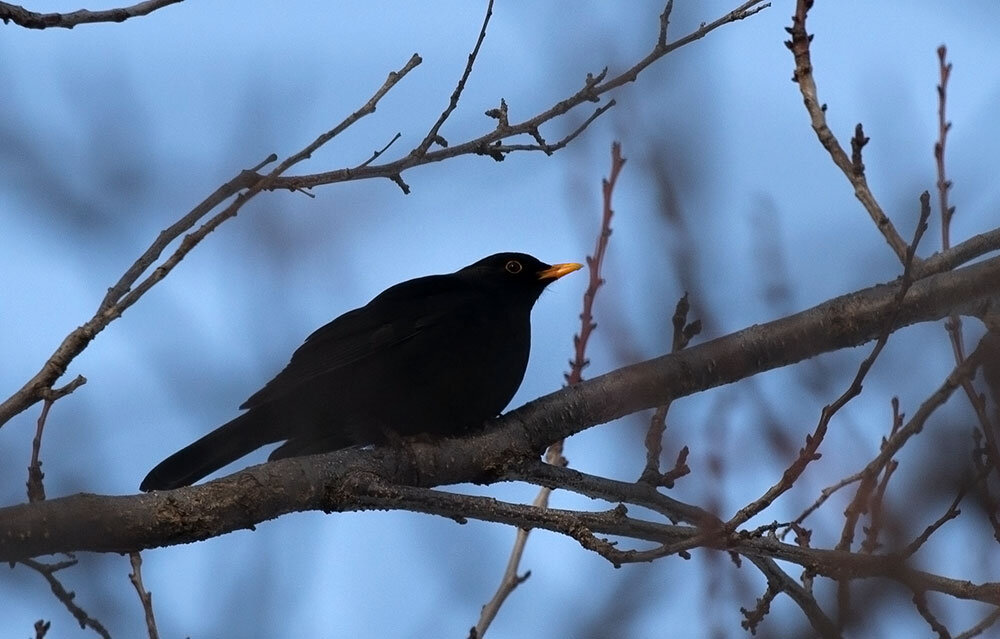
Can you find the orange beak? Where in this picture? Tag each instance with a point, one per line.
(556, 271)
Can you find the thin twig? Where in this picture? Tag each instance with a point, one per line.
(376, 154)
(957, 378)
(779, 581)
(981, 627)
(121, 295)
(554, 453)
(145, 597)
(852, 169)
(683, 332)
(36, 489)
(944, 126)
(584, 527)
(433, 135)
(951, 513)
(920, 601)
(809, 452)
(66, 597)
(491, 144)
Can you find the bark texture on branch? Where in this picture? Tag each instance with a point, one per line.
(336, 481)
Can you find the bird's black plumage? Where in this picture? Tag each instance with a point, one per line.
(436, 355)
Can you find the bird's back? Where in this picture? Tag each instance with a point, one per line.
(433, 355)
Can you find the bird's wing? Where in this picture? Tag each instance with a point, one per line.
(397, 315)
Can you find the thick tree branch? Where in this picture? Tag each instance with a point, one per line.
(323, 482)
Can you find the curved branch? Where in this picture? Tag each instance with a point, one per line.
(492, 143)
(328, 482)
(35, 20)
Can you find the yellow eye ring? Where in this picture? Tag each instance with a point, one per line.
(513, 267)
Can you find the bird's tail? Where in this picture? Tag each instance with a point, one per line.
(225, 444)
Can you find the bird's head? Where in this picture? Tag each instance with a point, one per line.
(516, 274)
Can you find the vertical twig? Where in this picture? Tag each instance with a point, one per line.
(852, 167)
(683, 332)
(953, 325)
(145, 596)
(36, 489)
(511, 579)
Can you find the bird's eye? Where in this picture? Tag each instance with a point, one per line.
(513, 267)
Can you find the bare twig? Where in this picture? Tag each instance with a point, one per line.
(951, 513)
(852, 169)
(683, 332)
(554, 454)
(433, 135)
(958, 377)
(36, 489)
(594, 263)
(900, 435)
(121, 296)
(66, 597)
(376, 154)
(779, 581)
(145, 597)
(492, 144)
(34, 20)
(920, 601)
(585, 526)
(638, 493)
(943, 183)
(809, 452)
(981, 627)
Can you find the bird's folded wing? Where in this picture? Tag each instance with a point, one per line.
(396, 316)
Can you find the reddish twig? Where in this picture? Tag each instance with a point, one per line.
(953, 325)
(511, 579)
(810, 452)
(943, 183)
(874, 508)
(683, 332)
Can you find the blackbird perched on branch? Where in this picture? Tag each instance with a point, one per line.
(436, 355)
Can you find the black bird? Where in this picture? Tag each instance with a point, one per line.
(437, 355)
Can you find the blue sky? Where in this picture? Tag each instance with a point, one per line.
(110, 132)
